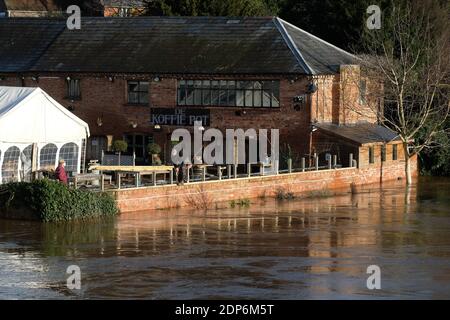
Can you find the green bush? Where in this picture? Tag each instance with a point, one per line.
(53, 201)
(153, 148)
(120, 145)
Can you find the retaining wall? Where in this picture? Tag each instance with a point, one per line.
(216, 192)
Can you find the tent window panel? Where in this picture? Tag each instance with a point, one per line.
(25, 158)
(47, 157)
(10, 165)
(69, 153)
(73, 89)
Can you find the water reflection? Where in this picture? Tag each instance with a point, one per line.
(315, 248)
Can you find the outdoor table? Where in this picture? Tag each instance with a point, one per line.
(137, 171)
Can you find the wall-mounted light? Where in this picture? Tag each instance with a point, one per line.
(313, 128)
(68, 78)
(134, 124)
(111, 78)
(99, 121)
(157, 127)
(201, 128)
(35, 78)
(156, 79)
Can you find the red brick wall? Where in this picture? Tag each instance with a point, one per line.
(163, 197)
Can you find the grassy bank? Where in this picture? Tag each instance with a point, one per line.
(47, 200)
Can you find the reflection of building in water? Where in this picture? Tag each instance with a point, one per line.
(314, 227)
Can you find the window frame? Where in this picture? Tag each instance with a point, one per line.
(383, 151)
(228, 93)
(394, 152)
(363, 92)
(371, 155)
(138, 92)
(77, 95)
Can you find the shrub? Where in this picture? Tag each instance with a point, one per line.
(153, 148)
(48, 200)
(120, 145)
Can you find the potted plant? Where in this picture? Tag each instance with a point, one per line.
(154, 150)
(120, 146)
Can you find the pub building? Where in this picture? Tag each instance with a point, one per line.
(140, 78)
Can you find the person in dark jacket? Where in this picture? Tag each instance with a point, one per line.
(60, 172)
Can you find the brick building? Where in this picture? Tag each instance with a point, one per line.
(127, 77)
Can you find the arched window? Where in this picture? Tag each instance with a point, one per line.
(47, 156)
(10, 165)
(69, 153)
(25, 158)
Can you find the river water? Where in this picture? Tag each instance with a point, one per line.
(298, 249)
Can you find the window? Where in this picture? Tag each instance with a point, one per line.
(10, 165)
(229, 93)
(383, 153)
(362, 91)
(73, 89)
(69, 153)
(394, 152)
(96, 145)
(47, 156)
(371, 155)
(137, 143)
(138, 92)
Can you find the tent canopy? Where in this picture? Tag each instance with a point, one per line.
(29, 115)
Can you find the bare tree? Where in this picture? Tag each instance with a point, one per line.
(404, 74)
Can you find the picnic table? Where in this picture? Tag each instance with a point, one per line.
(137, 171)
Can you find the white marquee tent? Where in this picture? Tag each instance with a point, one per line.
(32, 122)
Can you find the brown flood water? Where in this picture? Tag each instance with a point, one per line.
(299, 249)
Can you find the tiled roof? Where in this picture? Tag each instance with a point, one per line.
(204, 45)
(360, 133)
(24, 41)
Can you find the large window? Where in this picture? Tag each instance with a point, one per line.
(138, 92)
(229, 93)
(73, 89)
(137, 143)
